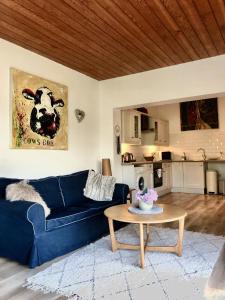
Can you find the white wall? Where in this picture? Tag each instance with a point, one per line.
(212, 140)
(185, 81)
(83, 148)
(89, 141)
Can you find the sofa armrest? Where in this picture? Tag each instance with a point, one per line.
(120, 193)
(25, 211)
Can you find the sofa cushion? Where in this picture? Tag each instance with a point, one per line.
(3, 184)
(99, 187)
(72, 187)
(59, 218)
(49, 190)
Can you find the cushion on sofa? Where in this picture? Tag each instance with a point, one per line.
(59, 218)
(3, 184)
(99, 187)
(49, 190)
(72, 187)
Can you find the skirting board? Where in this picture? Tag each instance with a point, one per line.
(187, 190)
(164, 192)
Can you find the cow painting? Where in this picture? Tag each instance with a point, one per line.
(44, 118)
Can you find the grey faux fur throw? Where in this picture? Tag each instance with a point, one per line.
(24, 191)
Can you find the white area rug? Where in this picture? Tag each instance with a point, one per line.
(95, 272)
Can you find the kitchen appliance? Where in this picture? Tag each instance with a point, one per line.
(165, 155)
(142, 177)
(147, 124)
(128, 157)
(157, 175)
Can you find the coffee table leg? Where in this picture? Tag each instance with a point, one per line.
(180, 237)
(147, 232)
(142, 249)
(112, 235)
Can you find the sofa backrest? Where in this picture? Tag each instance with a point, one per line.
(56, 191)
(3, 184)
(72, 187)
(49, 190)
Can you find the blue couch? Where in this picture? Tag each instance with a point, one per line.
(27, 237)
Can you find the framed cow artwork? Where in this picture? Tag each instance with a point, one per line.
(39, 112)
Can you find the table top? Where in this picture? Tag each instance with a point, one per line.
(170, 213)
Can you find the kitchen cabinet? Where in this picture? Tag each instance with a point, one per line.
(194, 175)
(131, 127)
(177, 177)
(166, 169)
(132, 133)
(161, 132)
(188, 177)
(148, 138)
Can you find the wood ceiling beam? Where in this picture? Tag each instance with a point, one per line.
(56, 27)
(69, 13)
(195, 20)
(148, 46)
(179, 17)
(218, 8)
(110, 38)
(210, 23)
(99, 18)
(169, 22)
(110, 16)
(147, 29)
(106, 21)
(20, 41)
(68, 16)
(151, 18)
(54, 43)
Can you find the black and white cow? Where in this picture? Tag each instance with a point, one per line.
(44, 118)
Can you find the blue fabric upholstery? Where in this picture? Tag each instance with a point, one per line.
(73, 187)
(20, 221)
(50, 191)
(25, 235)
(59, 218)
(3, 184)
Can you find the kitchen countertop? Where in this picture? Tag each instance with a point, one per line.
(135, 163)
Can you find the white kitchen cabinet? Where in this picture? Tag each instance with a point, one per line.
(194, 176)
(166, 167)
(188, 177)
(148, 138)
(161, 132)
(177, 177)
(131, 127)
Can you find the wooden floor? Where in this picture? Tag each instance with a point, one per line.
(205, 214)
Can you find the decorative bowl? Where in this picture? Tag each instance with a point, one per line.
(149, 158)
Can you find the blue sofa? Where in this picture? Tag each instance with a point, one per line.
(27, 237)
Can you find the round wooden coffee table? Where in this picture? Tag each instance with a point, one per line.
(170, 213)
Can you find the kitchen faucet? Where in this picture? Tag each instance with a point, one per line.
(203, 153)
(184, 157)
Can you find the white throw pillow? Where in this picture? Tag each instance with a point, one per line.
(99, 187)
(24, 191)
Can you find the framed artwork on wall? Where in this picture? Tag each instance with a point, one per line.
(199, 114)
(39, 112)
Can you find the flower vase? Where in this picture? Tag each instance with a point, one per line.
(145, 206)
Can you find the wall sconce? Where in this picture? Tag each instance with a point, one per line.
(79, 114)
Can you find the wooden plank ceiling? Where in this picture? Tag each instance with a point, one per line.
(111, 38)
